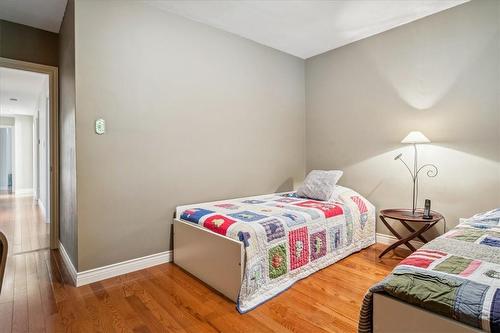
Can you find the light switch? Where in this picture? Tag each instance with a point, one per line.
(100, 126)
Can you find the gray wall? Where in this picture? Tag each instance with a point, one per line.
(25, 43)
(193, 114)
(68, 216)
(439, 75)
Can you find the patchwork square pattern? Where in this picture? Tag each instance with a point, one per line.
(490, 241)
(313, 213)
(318, 244)
(458, 266)
(218, 223)
(298, 242)
(487, 273)
(292, 218)
(255, 278)
(195, 214)
(466, 235)
(328, 209)
(277, 261)
(247, 216)
(423, 258)
(253, 202)
(227, 206)
(363, 210)
(274, 229)
(495, 312)
(336, 237)
(349, 223)
(244, 237)
(468, 304)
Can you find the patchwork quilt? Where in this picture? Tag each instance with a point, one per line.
(456, 275)
(286, 238)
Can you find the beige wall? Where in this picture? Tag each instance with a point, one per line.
(193, 114)
(439, 75)
(67, 151)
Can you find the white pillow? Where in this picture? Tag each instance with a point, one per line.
(319, 184)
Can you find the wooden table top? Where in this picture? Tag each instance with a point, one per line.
(405, 214)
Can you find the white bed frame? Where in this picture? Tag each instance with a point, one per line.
(392, 315)
(218, 261)
(215, 259)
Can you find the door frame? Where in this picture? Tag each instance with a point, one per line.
(53, 74)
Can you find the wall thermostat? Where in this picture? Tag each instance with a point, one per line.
(100, 126)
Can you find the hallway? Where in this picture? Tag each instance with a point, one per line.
(26, 300)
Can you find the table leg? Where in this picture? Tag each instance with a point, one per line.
(410, 229)
(401, 240)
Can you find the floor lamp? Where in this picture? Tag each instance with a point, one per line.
(415, 138)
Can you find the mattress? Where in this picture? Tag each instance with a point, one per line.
(456, 275)
(286, 238)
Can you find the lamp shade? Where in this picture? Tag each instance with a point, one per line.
(415, 137)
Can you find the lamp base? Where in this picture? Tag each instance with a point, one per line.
(410, 213)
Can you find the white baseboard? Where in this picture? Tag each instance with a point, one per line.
(389, 239)
(23, 192)
(109, 271)
(69, 265)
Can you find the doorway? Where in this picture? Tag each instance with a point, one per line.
(29, 152)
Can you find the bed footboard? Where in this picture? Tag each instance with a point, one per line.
(215, 259)
(392, 315)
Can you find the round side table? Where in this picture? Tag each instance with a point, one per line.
(404, 216)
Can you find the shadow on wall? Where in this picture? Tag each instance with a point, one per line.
(286, 186)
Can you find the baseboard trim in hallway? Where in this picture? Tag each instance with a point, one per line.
(109, 271)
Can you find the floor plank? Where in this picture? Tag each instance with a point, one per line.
(37, 295)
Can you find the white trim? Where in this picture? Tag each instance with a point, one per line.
(120, 268)
(24, 192)
(389, 239)
(67, 262)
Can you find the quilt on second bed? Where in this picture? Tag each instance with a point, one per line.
(286, 238)
(456, 275)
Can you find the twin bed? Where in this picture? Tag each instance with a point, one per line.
(451, 284)
(252, 249)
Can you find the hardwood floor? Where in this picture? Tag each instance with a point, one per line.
(37, 296)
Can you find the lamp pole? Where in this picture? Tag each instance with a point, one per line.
(432, 172)
(415, 163)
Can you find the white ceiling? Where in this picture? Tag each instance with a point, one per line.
(304, 28)
(41, 14)
(23, 86)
